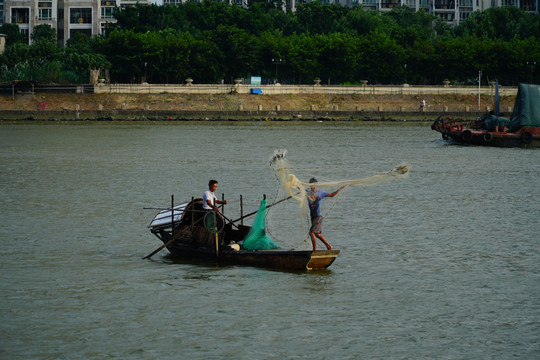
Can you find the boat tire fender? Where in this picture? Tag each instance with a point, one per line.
(445, 137)
(526, 137)
(466, 135)
(488, 137)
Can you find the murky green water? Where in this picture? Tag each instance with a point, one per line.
(442, 265)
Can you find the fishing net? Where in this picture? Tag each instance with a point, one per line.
(213, 222)
(257, 239)
(290, 220)
(297, 189)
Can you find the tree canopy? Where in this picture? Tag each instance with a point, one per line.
(212, 41)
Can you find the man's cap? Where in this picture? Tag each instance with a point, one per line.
(312, 180)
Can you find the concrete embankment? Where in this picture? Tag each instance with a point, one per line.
(175, 115)
(276, 103)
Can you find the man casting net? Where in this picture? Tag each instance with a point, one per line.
(308, 196)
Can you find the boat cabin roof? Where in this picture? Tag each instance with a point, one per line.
(164, 217)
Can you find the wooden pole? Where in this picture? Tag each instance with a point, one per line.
(254, 212)
(192, 213)
(172, 214)
(222, 205)
(241, 210)
(217, 243)
(216, 235)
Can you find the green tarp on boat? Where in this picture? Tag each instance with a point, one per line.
(527, 107)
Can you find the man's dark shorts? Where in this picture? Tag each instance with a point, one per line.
(316, 225)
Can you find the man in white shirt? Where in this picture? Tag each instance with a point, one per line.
(209, 198)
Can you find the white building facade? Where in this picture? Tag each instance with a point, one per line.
(68, 17)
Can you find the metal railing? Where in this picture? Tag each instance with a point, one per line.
(300, 89)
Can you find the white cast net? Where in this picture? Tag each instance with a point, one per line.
(291, 186)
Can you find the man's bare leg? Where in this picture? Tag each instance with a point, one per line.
(313, 240)
(328, 246)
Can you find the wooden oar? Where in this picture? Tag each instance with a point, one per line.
(229, 220)
(253, 213)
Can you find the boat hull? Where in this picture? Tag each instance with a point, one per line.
(274, 259)
(497, 139)
(463, 132)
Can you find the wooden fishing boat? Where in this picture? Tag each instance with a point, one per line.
(476, 133)
(188, 231)
(521, 130)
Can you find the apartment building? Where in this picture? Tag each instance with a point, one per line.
(29, 13)
(67, 16)
(453, 11)
(91, 16)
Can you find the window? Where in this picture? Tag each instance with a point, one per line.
(80, 16)
(19, 16)
(103, 30)
(26, 34)
(528, 5)
(44, 10)
(464, 15)
(107, 12)
(107, 9)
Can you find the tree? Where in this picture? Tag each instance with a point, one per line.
(43, 32)
(382, 59)
(501, 23)
(316, 18)
(17, 53)
(13, 34)
(237, 50)
(338, 57)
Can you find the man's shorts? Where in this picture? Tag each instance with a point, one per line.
(316, 225)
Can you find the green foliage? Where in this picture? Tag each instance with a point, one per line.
(45, 61)
(212, 40)
(79, 42)
(15, 54)
(505, 23)
(13, 34)
(43, 32)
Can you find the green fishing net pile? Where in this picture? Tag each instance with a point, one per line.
(257, 239)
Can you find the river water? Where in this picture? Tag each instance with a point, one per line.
(441, 265)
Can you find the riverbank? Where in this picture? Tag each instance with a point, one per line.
(63, 106)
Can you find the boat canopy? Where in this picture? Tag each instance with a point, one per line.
(164, 217)
(527, 107)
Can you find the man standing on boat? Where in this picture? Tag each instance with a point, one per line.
(209, 198)
(314, 201)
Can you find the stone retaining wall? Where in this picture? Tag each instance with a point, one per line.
(247, 115)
